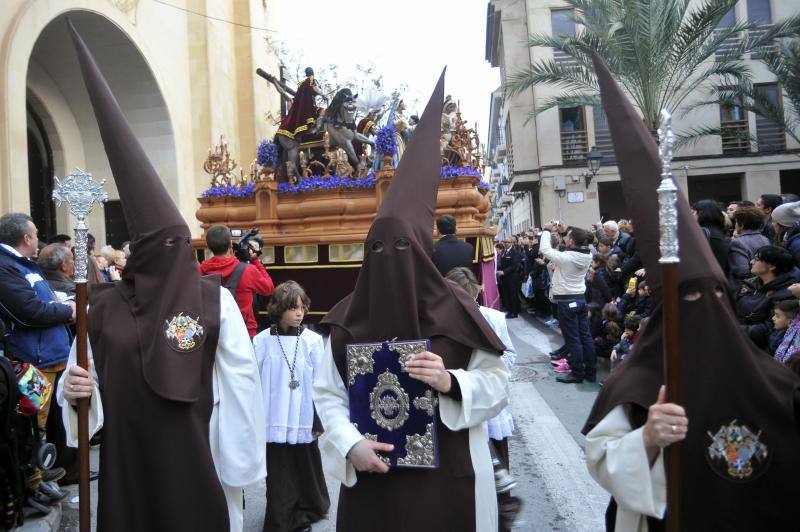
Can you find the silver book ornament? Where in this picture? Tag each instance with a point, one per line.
(81, 192)
(667, 194)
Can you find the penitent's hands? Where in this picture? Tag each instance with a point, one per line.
(77, 384)
(429, 368)
(363, 456)
(666, 424)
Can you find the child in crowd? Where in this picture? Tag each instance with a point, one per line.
(606, 248)
(609, 332)
(783, 314)
(615, 281)
(636, 300)
(288, 356)
(626, 342)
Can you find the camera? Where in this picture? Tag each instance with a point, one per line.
(243, 246)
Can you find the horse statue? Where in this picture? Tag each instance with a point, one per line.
(337, 123)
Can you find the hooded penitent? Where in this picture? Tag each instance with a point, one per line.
(739, 460)
(400, 294)
(153, 336)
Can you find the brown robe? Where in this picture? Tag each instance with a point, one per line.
(157, 472)
(441, 499)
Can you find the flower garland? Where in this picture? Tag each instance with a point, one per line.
(230, 191)
(385, 141)
(267, 154)
(450, 172)
(317, 182)
(330, 183)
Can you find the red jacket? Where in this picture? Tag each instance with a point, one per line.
(254, 279)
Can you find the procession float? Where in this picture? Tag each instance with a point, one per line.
(313, 190)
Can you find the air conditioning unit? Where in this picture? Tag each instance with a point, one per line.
(506, 199)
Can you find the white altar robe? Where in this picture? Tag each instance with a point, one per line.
(484, 393)
(617, 460)
(502, 425)
(236, 431)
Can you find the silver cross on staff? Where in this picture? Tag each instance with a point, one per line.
(81, 192)
(667, 193)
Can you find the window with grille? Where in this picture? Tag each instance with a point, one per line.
(730, 43)
(563, 25)
(759, 12)
(735, 128)
(602, 135)
(573, 135)
(770, 134)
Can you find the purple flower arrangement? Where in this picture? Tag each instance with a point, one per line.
(267, 154)
(385, 141)
(330, 183)
(450, 172)
(317, 182)
(230, 191)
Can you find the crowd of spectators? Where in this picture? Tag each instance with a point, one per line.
(37, 310)
(757, 245)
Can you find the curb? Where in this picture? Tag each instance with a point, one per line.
(47, 523)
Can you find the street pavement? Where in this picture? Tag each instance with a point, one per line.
(547, 456)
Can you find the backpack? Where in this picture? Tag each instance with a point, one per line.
(11, 479)
(236, 276)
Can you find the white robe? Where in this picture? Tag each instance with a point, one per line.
(289, 414)
(236, 429)
(617, 460)
(483, 395)
(502, 425)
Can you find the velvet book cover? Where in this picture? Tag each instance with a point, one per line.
(388, 406)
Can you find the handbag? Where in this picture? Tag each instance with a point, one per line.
(34, 388)
(527, 287)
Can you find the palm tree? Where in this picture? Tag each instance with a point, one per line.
(783, 60)
(661, 51)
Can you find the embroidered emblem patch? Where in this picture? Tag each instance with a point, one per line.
(184, 333)
(737, 453)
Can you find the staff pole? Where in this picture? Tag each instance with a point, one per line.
(668, 228)
(80, 191)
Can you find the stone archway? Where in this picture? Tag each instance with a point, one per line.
(52, 87)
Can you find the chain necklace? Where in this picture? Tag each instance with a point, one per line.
(293, 382)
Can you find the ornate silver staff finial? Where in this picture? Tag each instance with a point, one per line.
(667, 193)
(81, 192)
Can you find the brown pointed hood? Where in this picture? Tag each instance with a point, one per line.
(640, 169)
(160, 282)
(399, 292)
(727, 382)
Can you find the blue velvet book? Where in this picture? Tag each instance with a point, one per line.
(388, 406)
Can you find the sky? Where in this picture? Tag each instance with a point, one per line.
(409, 41)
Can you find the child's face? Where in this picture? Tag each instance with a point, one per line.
(293, 317)
(630, 332)
(643, 291)
(780, 320)
(602, 248)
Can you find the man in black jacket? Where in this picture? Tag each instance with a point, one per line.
(450, 252)
(508, 277)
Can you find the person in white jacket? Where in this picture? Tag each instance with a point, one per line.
(568, 292)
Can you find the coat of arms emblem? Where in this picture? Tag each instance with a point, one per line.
(184, 333)
(737, 453)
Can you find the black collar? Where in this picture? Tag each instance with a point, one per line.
(275, 330)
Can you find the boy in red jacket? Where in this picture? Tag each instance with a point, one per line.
(254, 277)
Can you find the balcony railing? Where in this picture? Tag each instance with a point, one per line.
(602, 139)
(564, 59)
(771, 136)
(735, 137)
(727, 47)
(574, 147)
(757, 32)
